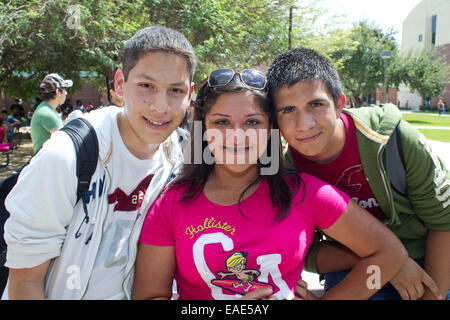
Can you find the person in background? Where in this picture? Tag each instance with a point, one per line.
(11, 124)
(17, 109)
(188, 120)
(89, 107)
(79, 106)
(66, 110)
(441, 107)
(3, 131)
(113, 98)
(46, 119)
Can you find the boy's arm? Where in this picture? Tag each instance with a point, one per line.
(328, 256)
(334, 257)
(411, 281)
(428, 188)
(27, 283)
(374, 243)
(154, 272)
(437, 261)
(41, 206)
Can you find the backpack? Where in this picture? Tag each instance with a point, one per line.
(86, 147)
(396, 162)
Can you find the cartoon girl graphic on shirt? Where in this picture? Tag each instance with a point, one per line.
(237, 266)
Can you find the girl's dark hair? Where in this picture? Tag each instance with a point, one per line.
(194, 175)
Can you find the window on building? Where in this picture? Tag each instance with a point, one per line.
(433, 29)
(420, 37)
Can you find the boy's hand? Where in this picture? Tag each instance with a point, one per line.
(301, 289)
(259, 295)
(410, 281)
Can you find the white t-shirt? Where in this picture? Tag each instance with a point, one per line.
(130, 178)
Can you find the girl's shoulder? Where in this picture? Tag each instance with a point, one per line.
(303, 179)
(312, 181)
(174, 190)
(310, 187)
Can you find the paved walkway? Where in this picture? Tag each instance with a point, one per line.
(443, 150)
(434, 128)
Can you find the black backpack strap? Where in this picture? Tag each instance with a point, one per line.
(85, 141)
(396, 162)
(86, 147)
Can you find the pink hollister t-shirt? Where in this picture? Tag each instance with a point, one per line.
(222, 253)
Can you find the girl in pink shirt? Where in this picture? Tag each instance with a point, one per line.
(235, 226)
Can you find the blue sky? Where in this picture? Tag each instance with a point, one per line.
(385, 13)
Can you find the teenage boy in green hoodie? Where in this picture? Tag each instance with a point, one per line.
(348, 148)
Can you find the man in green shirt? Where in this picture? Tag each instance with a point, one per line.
(45, 119)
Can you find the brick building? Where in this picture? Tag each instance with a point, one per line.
(444, 50)
(391, 95)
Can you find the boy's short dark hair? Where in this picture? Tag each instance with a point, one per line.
(301, 64)
(157, 38)
(46, 96)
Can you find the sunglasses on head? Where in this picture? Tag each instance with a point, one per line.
(253, 79)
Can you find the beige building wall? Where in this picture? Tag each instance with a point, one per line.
(417, 33)
(404, 95)
(443, 23)
(419, 23)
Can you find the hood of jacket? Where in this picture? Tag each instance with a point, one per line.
(376, 123)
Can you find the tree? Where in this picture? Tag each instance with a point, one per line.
(422, 70)
(315, 27)
(103, 29)
(227, 33)
(67, 37)
(360, 66)
(35, 44)
(43, 36)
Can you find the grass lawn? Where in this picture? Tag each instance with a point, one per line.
(433, 134)
(424, 119)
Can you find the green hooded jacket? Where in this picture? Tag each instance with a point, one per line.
(426, 204)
